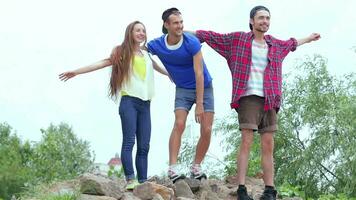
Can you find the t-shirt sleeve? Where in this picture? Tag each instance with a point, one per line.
(194, 45)
(150, 47)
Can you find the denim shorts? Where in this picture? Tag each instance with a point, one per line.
(185, 98)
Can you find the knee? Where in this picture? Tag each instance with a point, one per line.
(179, 126)
(127, 146)
(246, 142)
(206, 130)
(128, 143)
(143, 149)
(267, 146)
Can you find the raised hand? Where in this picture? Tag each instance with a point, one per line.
(314, 37)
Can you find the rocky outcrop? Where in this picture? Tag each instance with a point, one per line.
(98, 185)
(95, 187)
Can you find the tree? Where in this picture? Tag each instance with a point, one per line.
(316, 143)
(14, 169)
(60, 154)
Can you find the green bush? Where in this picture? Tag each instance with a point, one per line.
(14, 162)
(60, 155)
(118, 173)
(61, 197)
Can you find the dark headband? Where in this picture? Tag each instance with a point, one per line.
(255, 10)
(165, 16)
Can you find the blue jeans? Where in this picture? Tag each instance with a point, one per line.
(136, 123)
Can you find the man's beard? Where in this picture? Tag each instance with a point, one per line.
(261, 30)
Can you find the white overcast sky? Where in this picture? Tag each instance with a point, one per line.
(41, 38)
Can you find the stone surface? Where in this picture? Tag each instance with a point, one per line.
(129, 196)
(148, 190)
(97, 185)
(194, 184)
(94, 197)
(183, 189)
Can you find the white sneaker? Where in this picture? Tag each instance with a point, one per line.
(173, 173)
(196, 172)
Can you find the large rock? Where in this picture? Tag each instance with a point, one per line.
(205, 192)
(183, 198)
(193, 183)
(148, 191)
(157, 197)
(129, 196)
(255, 186)
(165, 181)
(94, 197)
(183, 189)
(97, 185)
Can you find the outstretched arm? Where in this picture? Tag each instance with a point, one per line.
(95, 66)
(159, 69)
(199, 79)
(221, 43)
(312, 37)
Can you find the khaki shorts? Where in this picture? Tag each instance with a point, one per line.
(252, 115)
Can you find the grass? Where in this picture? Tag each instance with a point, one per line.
(42, 192)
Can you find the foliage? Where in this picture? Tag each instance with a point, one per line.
(317, 136)
(60, 154)
(287, 190)
(14, 162)
(61, 197)
(340, 196)
(118, 173)
(44, 191)
(228, 128)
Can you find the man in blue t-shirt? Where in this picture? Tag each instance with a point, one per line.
(181, 55)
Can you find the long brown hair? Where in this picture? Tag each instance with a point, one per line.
(121, 59)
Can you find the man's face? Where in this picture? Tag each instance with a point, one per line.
(174, 25)
(260, 21)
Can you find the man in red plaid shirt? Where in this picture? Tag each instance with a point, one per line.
(255, 61)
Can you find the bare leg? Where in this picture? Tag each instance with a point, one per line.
(205, 135)
(267, 145)
(243, 155)
(176, 135)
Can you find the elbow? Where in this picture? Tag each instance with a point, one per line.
(199, 77)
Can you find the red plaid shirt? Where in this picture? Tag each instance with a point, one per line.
(236, 48)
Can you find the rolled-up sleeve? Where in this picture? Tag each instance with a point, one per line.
(221, 43)
(288, 46)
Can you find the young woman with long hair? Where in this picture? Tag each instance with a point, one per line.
(132, 79)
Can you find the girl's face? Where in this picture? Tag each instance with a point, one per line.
(139, 33)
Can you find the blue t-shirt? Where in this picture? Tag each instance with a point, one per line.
(178, 59)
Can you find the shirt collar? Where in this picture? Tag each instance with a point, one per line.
(266, 37)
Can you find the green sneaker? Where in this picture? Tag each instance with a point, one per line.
(131, 184)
